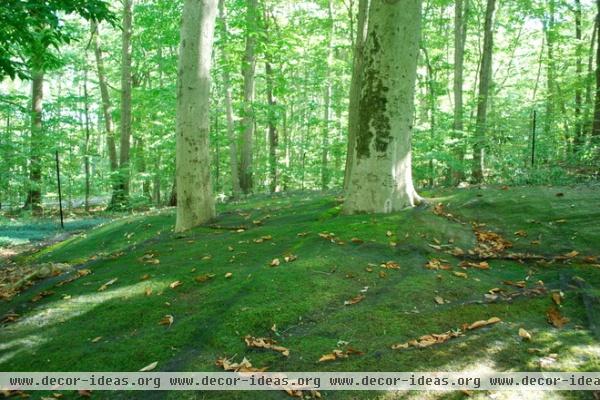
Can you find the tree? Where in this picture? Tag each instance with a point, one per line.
(355, 85)
(461, 8)
(485, 77)
(325, 173)
(235, 179)
(248, 70)
(120, 198)
(381, 175)
(596, 123)
(195, 203)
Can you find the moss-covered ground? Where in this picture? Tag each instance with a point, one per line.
(79, 328)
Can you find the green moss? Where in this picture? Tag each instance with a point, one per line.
(305, 298)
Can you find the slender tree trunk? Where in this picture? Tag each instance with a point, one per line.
(578, 137)
(549, 30)
(273, 135)
(195, 202)
(596, 123)
(248, 70)
(106, 104)
(121, 195)
(86, 147)
(325, 173)
(589, 100)
(233, 153)
(355, 86)
(460, 36)
(34, 198)
(485, 77)
(381, 176)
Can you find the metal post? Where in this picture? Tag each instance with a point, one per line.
(62, 224)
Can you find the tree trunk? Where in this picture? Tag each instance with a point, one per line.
(195, 202)
(86, 147)
(381, 176)
(120, 198)
(355, 86)
(248, 69)
(273, 135)
(549, 30)
(596, 123)
(106, 104)
(485, 77)
(460, 36)
(233, 153)
(325, 173)
(578, 139)
(34, 197)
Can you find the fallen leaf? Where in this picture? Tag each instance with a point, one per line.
(439, 300)
(461, 274)
(437, 264)
(338, 354)
(148, 291)
(382, 274)
(96, 339)
(555, 318)
(149, 367)
(355, 300)
(275, 262)
(228, 275)
(84, 393)
(175, 284)
(265, 343)
(572, 254)
(557, 297)
(41, 295)
(166, 320)
(290, 258)
(243, 366)
(204, 278)
(107, 284)
(521, 233)
(524, 334)
(145, 277)
(357, 240)
(389, 234)
(481, 324)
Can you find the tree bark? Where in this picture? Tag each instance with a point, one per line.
(120, 198)
(86, 147)
(549, 30)
(233, 153)
(355, 86)
(195, 202)
(460, 36)
(325, 173)
(578, 137)
(248, 70)
(381, 176)
(106, 103)
(596, 123)
(273, 135)
(485, 77)
(34, 197)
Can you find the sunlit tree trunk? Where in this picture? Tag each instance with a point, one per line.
(549, 30)
(485, 77)
(578, 139)
(233, 153)
(248, 70)
(121, 194)
(86, 147)
(34, 197)
(195, 202)
(381, 175)
(461, 8)
(596, 123)
(325, 174)
(355, 85)
(106, 103)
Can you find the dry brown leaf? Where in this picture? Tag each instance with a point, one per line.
(557, 297)
(107, 284)
(572, 254)
(96, 339)
(145, 277)
(275, 262)
(265, 343)
(439, 300)
(400, 346)
(382, 274)
(437, 264)
(149, 367)
(337, 354)
(290, 258)
(355, 300)
(166, 320)
(204, 278)
(175, 284)
(41, 295)
(479, 265)
(243, 366)
(390, 265)
(228, 275)
(555, 318)
(460, 274)
(481, 324)
(148, 291)
(84, 393)
(524, 334)
(521, 233)
(357, 241)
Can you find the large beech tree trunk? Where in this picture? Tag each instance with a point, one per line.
(355, 85)
(381, 176)
(195, 202)
(248, 70)
(485, 76)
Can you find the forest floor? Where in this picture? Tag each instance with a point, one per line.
(293, 269)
